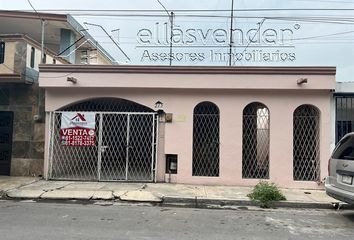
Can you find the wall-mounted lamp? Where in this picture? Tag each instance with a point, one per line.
(162, 115)
(158, 105)
(71, 79)
(301, 81)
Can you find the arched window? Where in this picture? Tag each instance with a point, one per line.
(255, 141)
(206, 140)
(306, 143)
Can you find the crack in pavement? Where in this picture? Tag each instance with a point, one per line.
(4, 193)
(53, 189)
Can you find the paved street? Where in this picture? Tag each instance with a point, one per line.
(32, 220)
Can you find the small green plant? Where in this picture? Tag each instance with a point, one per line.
(265, 194)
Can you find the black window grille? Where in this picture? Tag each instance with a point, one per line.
(206, 140)
(344, 115)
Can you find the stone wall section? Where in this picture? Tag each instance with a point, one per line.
(25, 101)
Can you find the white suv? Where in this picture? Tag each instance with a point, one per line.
(340, 183)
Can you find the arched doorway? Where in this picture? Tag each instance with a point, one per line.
(124, 147)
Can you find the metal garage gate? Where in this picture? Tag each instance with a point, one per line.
(124, 150)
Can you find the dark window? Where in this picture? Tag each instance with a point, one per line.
(44, 58)
(2, 52)
(344, 115)
(32, 57)
(54, 61)
(345, 149)
(6, 130)
(342, 128)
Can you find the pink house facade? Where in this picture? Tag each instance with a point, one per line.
(196, 125)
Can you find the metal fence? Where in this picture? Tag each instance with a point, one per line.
(255, 145)
(306, 144)
(125, 149)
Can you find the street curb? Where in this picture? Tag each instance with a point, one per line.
(207, 203)
(199, 202)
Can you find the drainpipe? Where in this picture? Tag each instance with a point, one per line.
(38, 117)
(42, 41)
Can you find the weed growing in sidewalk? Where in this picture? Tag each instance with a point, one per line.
(265, 194)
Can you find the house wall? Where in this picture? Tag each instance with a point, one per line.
(18, 57)
(181, 94)
(9, 61)
(28, 134)
(26, 100)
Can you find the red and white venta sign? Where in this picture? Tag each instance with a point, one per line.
(78, 129)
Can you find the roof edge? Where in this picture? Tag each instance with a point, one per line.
(33, 15)
(140, 69)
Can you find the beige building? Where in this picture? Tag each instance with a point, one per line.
(199, 125)
(21, 100)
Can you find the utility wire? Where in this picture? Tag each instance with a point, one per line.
(323, 1)
(334, 20)
(249, 43)
(170, 17)
(198, 10)
(29, 2)
(180, 15)
(320, 36)
(168, 13)
(33, 80)
(71, 45)
(309, 20)
(42, 30)
(21, 74)
(115, 43)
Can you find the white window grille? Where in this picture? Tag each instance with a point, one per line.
(206, 140)
(255, 145)
(306, 143)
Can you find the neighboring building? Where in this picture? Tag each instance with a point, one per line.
(21, 100)
(343, 109)
(198, 125)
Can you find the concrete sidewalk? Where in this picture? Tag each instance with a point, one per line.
(163, 193)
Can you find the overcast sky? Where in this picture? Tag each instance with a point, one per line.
(262, 38)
